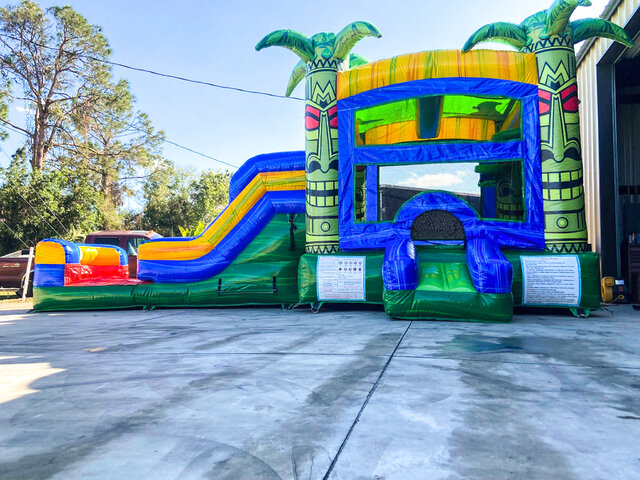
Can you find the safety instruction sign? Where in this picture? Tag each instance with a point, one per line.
(550, 280)
(340, 278)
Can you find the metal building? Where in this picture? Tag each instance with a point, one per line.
(609, 91)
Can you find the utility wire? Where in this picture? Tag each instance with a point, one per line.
(14, 233)
(185, 79)
(37, 212)
(142, 131)
(49, 209)
(176, 77)
(13, 129)
(201, 154)
(199, 82)
(159, 74)
(41, 199)
(34, 209)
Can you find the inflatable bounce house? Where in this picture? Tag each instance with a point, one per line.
(440, 184)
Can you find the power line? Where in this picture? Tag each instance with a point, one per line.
(33, 208)
(181, 146)
(200, 82)
(14, 233)
(142, 131)
(201, 154)
(12, 128)
(37, 212)
(152, 72)
(41, 199)
(159, 74)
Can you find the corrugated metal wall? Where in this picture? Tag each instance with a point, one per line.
(587, 93)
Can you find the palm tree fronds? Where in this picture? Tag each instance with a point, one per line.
(350, 35)
(294, 41)
(356, 60)
(598, 27)
(296, 75)
(559, 13)
(503, 32)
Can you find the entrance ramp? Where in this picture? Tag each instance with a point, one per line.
(437, 284)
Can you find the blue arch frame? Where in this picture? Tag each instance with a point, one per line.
(358, 236)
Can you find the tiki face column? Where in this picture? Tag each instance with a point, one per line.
(320, 57)
(562, 185)
(551, 36)
(321, 150)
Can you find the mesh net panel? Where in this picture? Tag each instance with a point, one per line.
(437, 225)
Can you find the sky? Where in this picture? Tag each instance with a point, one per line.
(214, 41)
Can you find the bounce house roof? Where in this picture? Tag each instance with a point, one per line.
(503, 65)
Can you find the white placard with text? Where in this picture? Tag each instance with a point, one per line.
(551, 280)
(340, 278)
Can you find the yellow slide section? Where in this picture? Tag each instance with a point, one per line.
(229, 218)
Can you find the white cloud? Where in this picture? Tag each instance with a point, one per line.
(22, 109)
(434, 180)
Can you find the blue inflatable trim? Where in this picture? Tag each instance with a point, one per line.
(46, 275)
(400, 267)
(366, 235)
(490, 271)
(371, 203)
(267, 162)
(271, 203)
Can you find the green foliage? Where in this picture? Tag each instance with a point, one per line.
(210, 195)
(166, 195)
(54, 57)
(42, 204)
(5, 88)
(85, 141)
(193, 232)
(176, 200)
(117, 146)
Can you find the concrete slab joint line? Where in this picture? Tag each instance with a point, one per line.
(364, 404)
(251, 393)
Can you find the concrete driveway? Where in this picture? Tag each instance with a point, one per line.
(255, 393)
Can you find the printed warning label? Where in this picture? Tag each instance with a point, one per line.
(340, 278)
(550, 280)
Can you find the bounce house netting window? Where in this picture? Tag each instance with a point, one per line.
(493, 189)
(440, 118)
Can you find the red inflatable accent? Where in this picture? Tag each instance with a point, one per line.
(109, 274)
(104, 282)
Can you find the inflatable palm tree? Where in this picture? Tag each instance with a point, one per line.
(551, 36)
(321, 55)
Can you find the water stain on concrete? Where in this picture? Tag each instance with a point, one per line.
(43, 465)
(494, 440)
(314, 426)
(493, 427)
